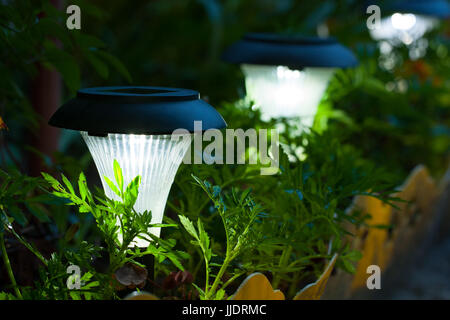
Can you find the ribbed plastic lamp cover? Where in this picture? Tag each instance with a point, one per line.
(155, 158)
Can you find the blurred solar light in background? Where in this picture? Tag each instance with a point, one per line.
(283, 92)
(403, 28)
(287, 75)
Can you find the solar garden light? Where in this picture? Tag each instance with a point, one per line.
(285, 75)
(134, 126)
(409, 20)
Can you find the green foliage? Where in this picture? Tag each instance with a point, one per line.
(18, 192)
(119, 224)
(25, 41)
(33, 38)
(238, 213)
(399, 128)
(302, 223)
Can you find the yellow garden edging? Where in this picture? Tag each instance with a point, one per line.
(391, 249)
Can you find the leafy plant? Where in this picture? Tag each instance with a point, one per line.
(117, 221)
(304, 221)
(238, 213)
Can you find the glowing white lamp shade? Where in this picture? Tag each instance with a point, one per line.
(155, 158)
(287, 75)
(403, 28)
(135, 126)
(282, 92)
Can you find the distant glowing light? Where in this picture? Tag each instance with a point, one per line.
(283, 92)
(403, 28)
(402, 21)
(287, 75)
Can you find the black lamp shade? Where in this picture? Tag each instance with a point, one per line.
(136, 110)
(294, 52)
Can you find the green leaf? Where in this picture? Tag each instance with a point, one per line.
(48, 27)
(172, 257)
(52, 181)
(82, 186)
(88, 42)
(68, 184)
(354, 255)
(112, 186)
(116, 64)
(119, 177)
(7, 296)
(204, 239)
(17, 215)
(202, 293)
(131, 192)
(100, 67)
(65, 64)
(189, 226)
(348, 266)
(38, 212)
(92, 10)
(220, 295)
(92, 284)
(164, 225)
(75, 295)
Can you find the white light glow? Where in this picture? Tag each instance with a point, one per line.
(403, 21)
(155, 157)
(282, 92)
(403, 28)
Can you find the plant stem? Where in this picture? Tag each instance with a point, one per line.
(216, 282)
(293, 286)
(8, 266)
(284, 259)
(210, 293)
(229, 281)
(207, 276)
(28, 246)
